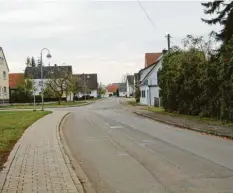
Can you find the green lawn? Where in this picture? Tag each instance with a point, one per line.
(12, 126)
(46, 105)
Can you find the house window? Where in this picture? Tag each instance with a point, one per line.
(4, 90)
(4, 74)
(143, 94)
(0, 90)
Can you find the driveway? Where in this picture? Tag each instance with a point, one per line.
(124, 153)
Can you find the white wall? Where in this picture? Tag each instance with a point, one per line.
(144, 100)
(129, 89)
(154, 92)
(151, 92)
(93, 93)
(4, 81)
(145, 72)
(38, 85)
(122, 94)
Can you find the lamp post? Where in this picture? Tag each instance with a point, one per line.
(41, 68)
(85, 86)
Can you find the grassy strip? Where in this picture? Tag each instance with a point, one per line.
(12, 126)
(50, 105)
(206, 120)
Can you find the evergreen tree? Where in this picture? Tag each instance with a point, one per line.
(223, 11)
(28, 62)
(33, 63)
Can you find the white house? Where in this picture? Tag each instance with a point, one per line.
(130, 85)
(4, 78)
(34, 73)
(149, 82)
(87, 84)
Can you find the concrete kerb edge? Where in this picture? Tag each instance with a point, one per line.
(74, 177)
(7, 165)
(81, 180)
(186, 127)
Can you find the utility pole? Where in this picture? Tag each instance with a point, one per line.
(168, 36)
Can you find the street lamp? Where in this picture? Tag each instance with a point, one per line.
(85, 86)
(41, 68)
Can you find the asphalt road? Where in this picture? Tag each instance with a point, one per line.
(123, 153)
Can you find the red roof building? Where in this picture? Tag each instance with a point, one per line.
(151, 58)
(15, 79)
(112, 88)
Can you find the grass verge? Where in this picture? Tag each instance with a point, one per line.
(12, 126)
(46, 105)
(207, 120)
(200, 119)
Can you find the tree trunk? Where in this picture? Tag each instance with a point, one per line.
(59, 100)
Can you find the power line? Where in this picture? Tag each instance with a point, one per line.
(148, 17)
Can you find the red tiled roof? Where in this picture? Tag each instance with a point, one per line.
(151, 58)
(112, 88)
(15, 78)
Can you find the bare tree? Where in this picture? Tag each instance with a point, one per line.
(72, 86)
(58, 82)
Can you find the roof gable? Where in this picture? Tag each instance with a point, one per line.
(159, 60)
(1, 50)
(151, 58)
(90, 80)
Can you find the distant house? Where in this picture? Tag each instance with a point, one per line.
(130, 85)
(111, 89)
(148, 82)
(87, 84)
(4, 79)
(15, 79)
(122, 89)
(34, 73)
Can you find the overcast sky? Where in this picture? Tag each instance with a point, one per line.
(109, 38)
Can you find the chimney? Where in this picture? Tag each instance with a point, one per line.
(164, 51)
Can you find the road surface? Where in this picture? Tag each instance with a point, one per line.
(121, 152)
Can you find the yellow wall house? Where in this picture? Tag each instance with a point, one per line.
(4, 79)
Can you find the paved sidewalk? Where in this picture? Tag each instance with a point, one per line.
(37, 163)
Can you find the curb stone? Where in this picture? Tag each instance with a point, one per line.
(82, 183)
(209, 132)
(66, 159)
